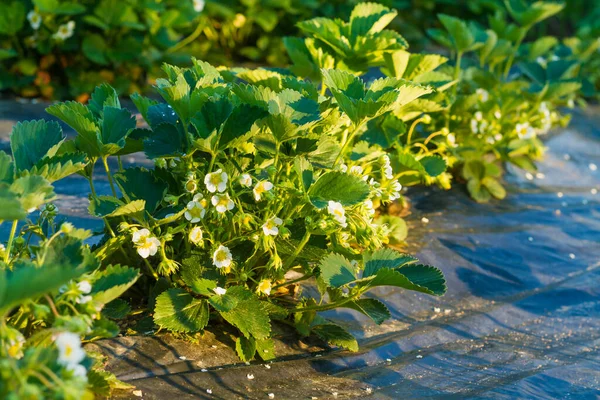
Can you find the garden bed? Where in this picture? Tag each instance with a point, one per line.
(521, 317)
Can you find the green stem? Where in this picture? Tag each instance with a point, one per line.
(286, 283)
(347, 142)
(92, 188)
(152, 270)
(213, 158)
(511, 59)
(457, 71)
(457, 65)
(109, 175)
(193, 36)
(13, 231)
(329, 306)
(411, 130)
(299, 249)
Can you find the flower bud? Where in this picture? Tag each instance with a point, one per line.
(67, 228)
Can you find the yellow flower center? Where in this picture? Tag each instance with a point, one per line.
(215, 179)
(221, 256)
(270, 224)
(196, 212)
(145, 244)
(14, 350)
(338, 212)
(68, 351)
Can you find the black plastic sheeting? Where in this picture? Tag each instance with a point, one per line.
(521, 318)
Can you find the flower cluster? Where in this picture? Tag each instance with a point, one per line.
(70, 353)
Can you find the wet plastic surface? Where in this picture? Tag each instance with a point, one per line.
(521, 318)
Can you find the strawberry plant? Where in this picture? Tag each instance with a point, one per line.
(52, 289)
(248, 197)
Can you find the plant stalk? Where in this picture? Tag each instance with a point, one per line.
(299, 249)
(109, 175)
(347, 142)
(13, 231)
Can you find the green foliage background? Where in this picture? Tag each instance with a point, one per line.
(124, 42)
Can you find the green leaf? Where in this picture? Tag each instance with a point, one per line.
(10, 206)
(33, 191)
(12, 17)
(117, 309)
(112, 282)
(116, 125)
(336, 270)
(382, 96)
(26, 282)
(302, 62)
(528, 15)
(7, 168)
(143, 104)
(474, 169)
(81, 119)
(433, 165)
(5, 54)
(250, 318)
(458, 29)
(239, 123)
(30, 141)
(304, 170)
(59, 8)
(420, 278)
(166, 140)
(396, 226)
(94, 48)
(265, 349)
(177, 95)
(245, 348)
(141, 184)
(103, 328)
(369, 18)
(108, 206)
(425, 276)
(178, 311)
(372, 308)
(57, 167)
(384, 258)
(478, 192)
(494, 187)
(337, 186)
(162, 113)
(103, 95)
(211, 117)
(336, 335)
(200, 285)
(223, 303)
(419, 64)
